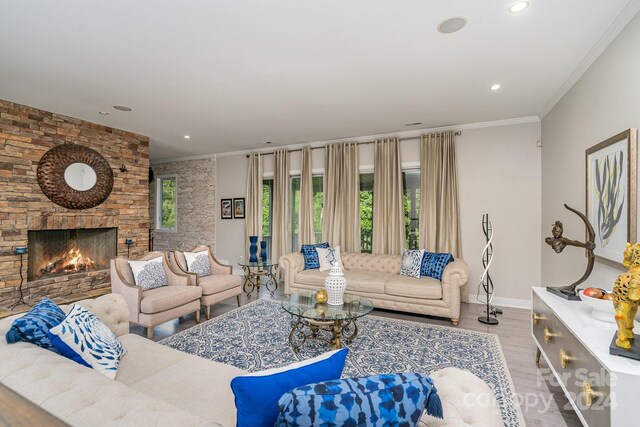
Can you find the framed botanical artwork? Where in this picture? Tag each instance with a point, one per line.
(226, 208)
(612, 194)
(238, 208)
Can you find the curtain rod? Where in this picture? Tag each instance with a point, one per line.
(269, 153)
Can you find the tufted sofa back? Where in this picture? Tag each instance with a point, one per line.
(111, 309)
(369, 262)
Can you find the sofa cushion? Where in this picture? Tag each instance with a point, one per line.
(411, 262)
(218, 283)
(433, 264)
(84, 338)
(34, 326)
(149, 274)
(257, 393)
(357, 281)
(168, 297)
(198, 262)
(310, 254)
(311, 277)
(81, 396)
(423, 288)
(390, 399)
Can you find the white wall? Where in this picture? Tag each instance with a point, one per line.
(604, 102)
(499, 173)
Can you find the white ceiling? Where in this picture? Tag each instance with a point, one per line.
(233, 74)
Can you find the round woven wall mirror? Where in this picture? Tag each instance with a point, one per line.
(75, 177)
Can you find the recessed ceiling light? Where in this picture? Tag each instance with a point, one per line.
(268, 142)
(187, 137)
(413, 124)
(519, 6)
(104, 113)
(452, 25)
(121, 108)
(495, 86)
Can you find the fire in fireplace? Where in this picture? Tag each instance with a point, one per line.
(62, 252)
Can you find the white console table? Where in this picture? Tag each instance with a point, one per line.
(603, 389)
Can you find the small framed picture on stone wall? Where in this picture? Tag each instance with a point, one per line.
(238, 208)
(226, 208)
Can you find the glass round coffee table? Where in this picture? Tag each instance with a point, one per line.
(309, 319)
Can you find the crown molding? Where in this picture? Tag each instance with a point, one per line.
(621, 21)
(416, 133)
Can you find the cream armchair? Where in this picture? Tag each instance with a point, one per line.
(152, 307)
(218, 286)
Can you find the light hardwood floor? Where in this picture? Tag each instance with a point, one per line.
(542, 403)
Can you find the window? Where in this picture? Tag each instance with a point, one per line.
(267, 210)
(411, 189)
(166, 202)
(295, 210)
(366, 211)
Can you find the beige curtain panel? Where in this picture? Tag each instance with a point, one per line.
(281, 215)
(388, 210)
(253, 208)
(439, 207)
(341, 211)
(306, 232)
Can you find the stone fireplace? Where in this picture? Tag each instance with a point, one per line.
(62, 252)
(65, 261)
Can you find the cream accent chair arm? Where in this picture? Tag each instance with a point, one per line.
(122, 284)
(291, 264)
(454, 276)
(177, 262)
(174, 277)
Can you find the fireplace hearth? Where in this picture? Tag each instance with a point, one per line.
(63, 252)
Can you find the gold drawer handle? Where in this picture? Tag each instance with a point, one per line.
(589, 395)
(535, 317)
(565, 358)
(548, 335)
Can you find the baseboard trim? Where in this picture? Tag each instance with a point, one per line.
(504, 302)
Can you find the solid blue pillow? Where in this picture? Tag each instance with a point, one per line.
(310, 254)
(85, 339)
(433, 264)
(377, 401)
(34, 326)
(257, 394)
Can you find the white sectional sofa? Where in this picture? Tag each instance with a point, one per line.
(159, 386)
(378, 278)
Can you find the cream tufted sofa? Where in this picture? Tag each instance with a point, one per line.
(378, 278)
(160, 386)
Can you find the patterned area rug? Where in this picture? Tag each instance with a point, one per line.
(255, 337)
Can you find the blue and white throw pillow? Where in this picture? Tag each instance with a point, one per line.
(310, 254)
(257, 394)
(198, 262)
(411, 262)
(149, 274)
(84, 338)
(376, 401)
(329, 257)
(433, 264)
(34, 326)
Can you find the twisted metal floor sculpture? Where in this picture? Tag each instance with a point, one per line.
(485, 277)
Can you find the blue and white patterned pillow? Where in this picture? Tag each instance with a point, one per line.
(433, 264)
(149, 274)
(198, 262)
(257, 394)
(310, 254)
(84, 338)
(329, 257)
(411, 262)
(376, 401)
(34, 326)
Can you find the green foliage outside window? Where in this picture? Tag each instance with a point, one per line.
(168, 198)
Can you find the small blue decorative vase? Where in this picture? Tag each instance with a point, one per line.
(263, 250)
(253, 249)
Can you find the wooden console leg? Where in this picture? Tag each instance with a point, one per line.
(150, 332)
(238, 299)
(208, 312)
(455, 322)
(198, 315)
(538, 353)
